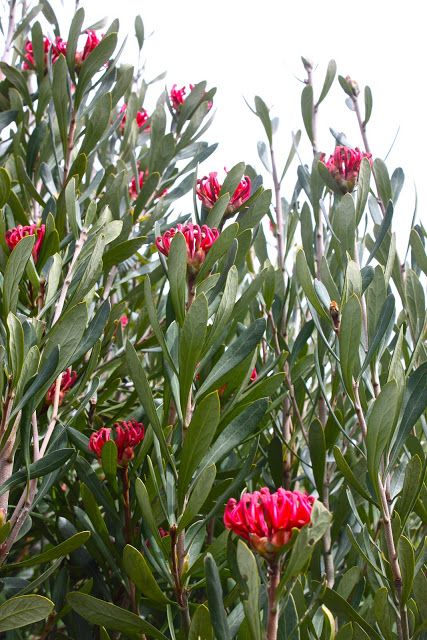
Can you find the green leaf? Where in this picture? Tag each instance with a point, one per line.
(235, 354)
(307, 105)
(348, 474)
(14, 271)
(50, 462)
(383, 613)
(61, 550)
(382, 180)
(140, 573)
(109, 461)
(199, 436)
(316, 439)
(139, 31)
(233, 179)
(341, 607)
(225, 309)
(218, 249)
(139, 378)
(344, 223)
(216, 214)
(41, 382)
(110, 616)
(349, 340)
(98, 57)
(249, 571)
(380, 426)
(147, 512)
(201, 490)
(305, 279)
(71, 206)
(201, 627)
(121, 252)
(67, 334)
(177, 275)
(412, 485)
(327, 178)
(191, 344)
(73, 36)
(60, 101)
(382, 231)
(17, 79)
(363, 182)
(418, 250)
(415, 404)
(239, 430)
(385, 318)
(215, 599)
(263, 114)
(5, 183)
(406, 555)
(368, 105)
(16, 346)
(22, 610)
(329, 79)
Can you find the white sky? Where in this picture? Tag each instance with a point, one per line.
(249, 48)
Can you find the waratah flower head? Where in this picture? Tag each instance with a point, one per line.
(177, 96)
(208, 190)
(127, 434)
(344, 166)
(92, 41)
(68, 380)
(13, 236)
(198, 239)
(266, 519)
(141, 118)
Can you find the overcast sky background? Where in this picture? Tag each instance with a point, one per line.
(253, 48)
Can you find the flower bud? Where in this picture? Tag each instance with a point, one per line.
(354, 86)
(68, 380)
(126, 434)
(335, 314)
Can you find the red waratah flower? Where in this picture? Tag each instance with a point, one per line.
(141, 118)
(126, 434)
(344, 166)
(92, 41)
(266, 519)
(198, 239)
(29, 62)
(13, 236)
(124, 320)
(68, 380)
(208, 189)
(177, 96)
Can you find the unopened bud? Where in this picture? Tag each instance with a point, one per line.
(354, 86)
(334, 312)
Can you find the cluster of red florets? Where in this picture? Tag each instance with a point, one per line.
(127, 434)
(13, 236)
(266, 519)
(58, 47)
(344, 166)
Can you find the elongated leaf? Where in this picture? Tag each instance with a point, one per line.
(329, 79)
(140, 573)
(61, 550)
(249, 571)
(405, 552)
(47, 464)
(110, 616)
(215, 599)
(349, 340)
(348, 474)
(177, 269)
(380, 426)
(198, 438)
(235, 354)
(201, 627)
(201, 490)
(415, 404)
(22, 610)
(339, 606)
(191, 344)
(307, 110)
(93, 63)
(14, 271)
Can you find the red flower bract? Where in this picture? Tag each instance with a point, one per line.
(68, 380)
(344, 166)
(141, 118)
(266, 519)
(208, 189)
(56, 48)
(198, 240)
(177, 96)
(92, 41)
(13, 236)
(133, 192)
(126, 434)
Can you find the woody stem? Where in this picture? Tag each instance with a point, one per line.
(273, 604)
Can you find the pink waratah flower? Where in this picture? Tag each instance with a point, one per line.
(344, 166)
(177, 96)
(68, 380)
(254, 375)
(208, 189)
(266, 519)
(199, 240)
(127, 434)
(13, 236)
(141, 118)
(92, 41)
